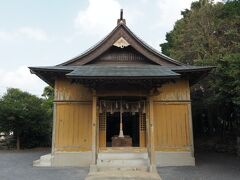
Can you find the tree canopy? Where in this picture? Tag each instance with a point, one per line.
(27, 117)
(209, 34)
(206, 33)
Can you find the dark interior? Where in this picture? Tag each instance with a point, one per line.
(130, 126)
(113, 126)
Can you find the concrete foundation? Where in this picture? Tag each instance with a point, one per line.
(174, 159)
(78, 159)
(83, 159)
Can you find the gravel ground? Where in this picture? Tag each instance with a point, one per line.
(209, 166)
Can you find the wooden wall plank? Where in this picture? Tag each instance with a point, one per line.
(174, 91)
(73, 131)
(65, 90)
(171, 127)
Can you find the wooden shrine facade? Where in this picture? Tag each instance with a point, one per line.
(122, 95)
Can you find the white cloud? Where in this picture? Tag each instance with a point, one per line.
(170, 11)
(99, 17)
(21, 78)
(26, 33)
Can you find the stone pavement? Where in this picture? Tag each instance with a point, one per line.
(209, 166)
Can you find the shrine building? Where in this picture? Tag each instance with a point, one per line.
(121, 103)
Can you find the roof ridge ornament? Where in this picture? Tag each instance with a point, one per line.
(121, 20)
(121, 43)
(121, 14)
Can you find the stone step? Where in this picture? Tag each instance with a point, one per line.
(44, 161)
(123, 162)
(39, 163)
(122, 155)
(46, 157)
(122, 168)
(119, 175)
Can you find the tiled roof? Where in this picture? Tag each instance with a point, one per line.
(122, 71)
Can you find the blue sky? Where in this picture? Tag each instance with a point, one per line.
(48, 32)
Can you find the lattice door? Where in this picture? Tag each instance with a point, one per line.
(102, 129)
(142, 129)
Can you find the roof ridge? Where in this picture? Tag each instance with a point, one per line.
(88, 50)
(152, 48)
(138, 39)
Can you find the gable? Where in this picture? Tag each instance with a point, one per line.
(123, 55)
(121, 37)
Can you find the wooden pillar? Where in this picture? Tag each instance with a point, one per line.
(94, 128)
(191, 128)
(148, 130)
(151, 134)
(54, 127)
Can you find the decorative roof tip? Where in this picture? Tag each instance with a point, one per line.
(121, 20)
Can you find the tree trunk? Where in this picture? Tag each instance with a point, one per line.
(18, 142)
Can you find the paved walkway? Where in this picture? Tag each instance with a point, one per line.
(210, 166)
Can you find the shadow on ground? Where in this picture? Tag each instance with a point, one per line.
(209, 166)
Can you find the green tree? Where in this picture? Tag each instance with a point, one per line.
(193, 38)
(209, 34)
(26, 116)
(48, 94)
